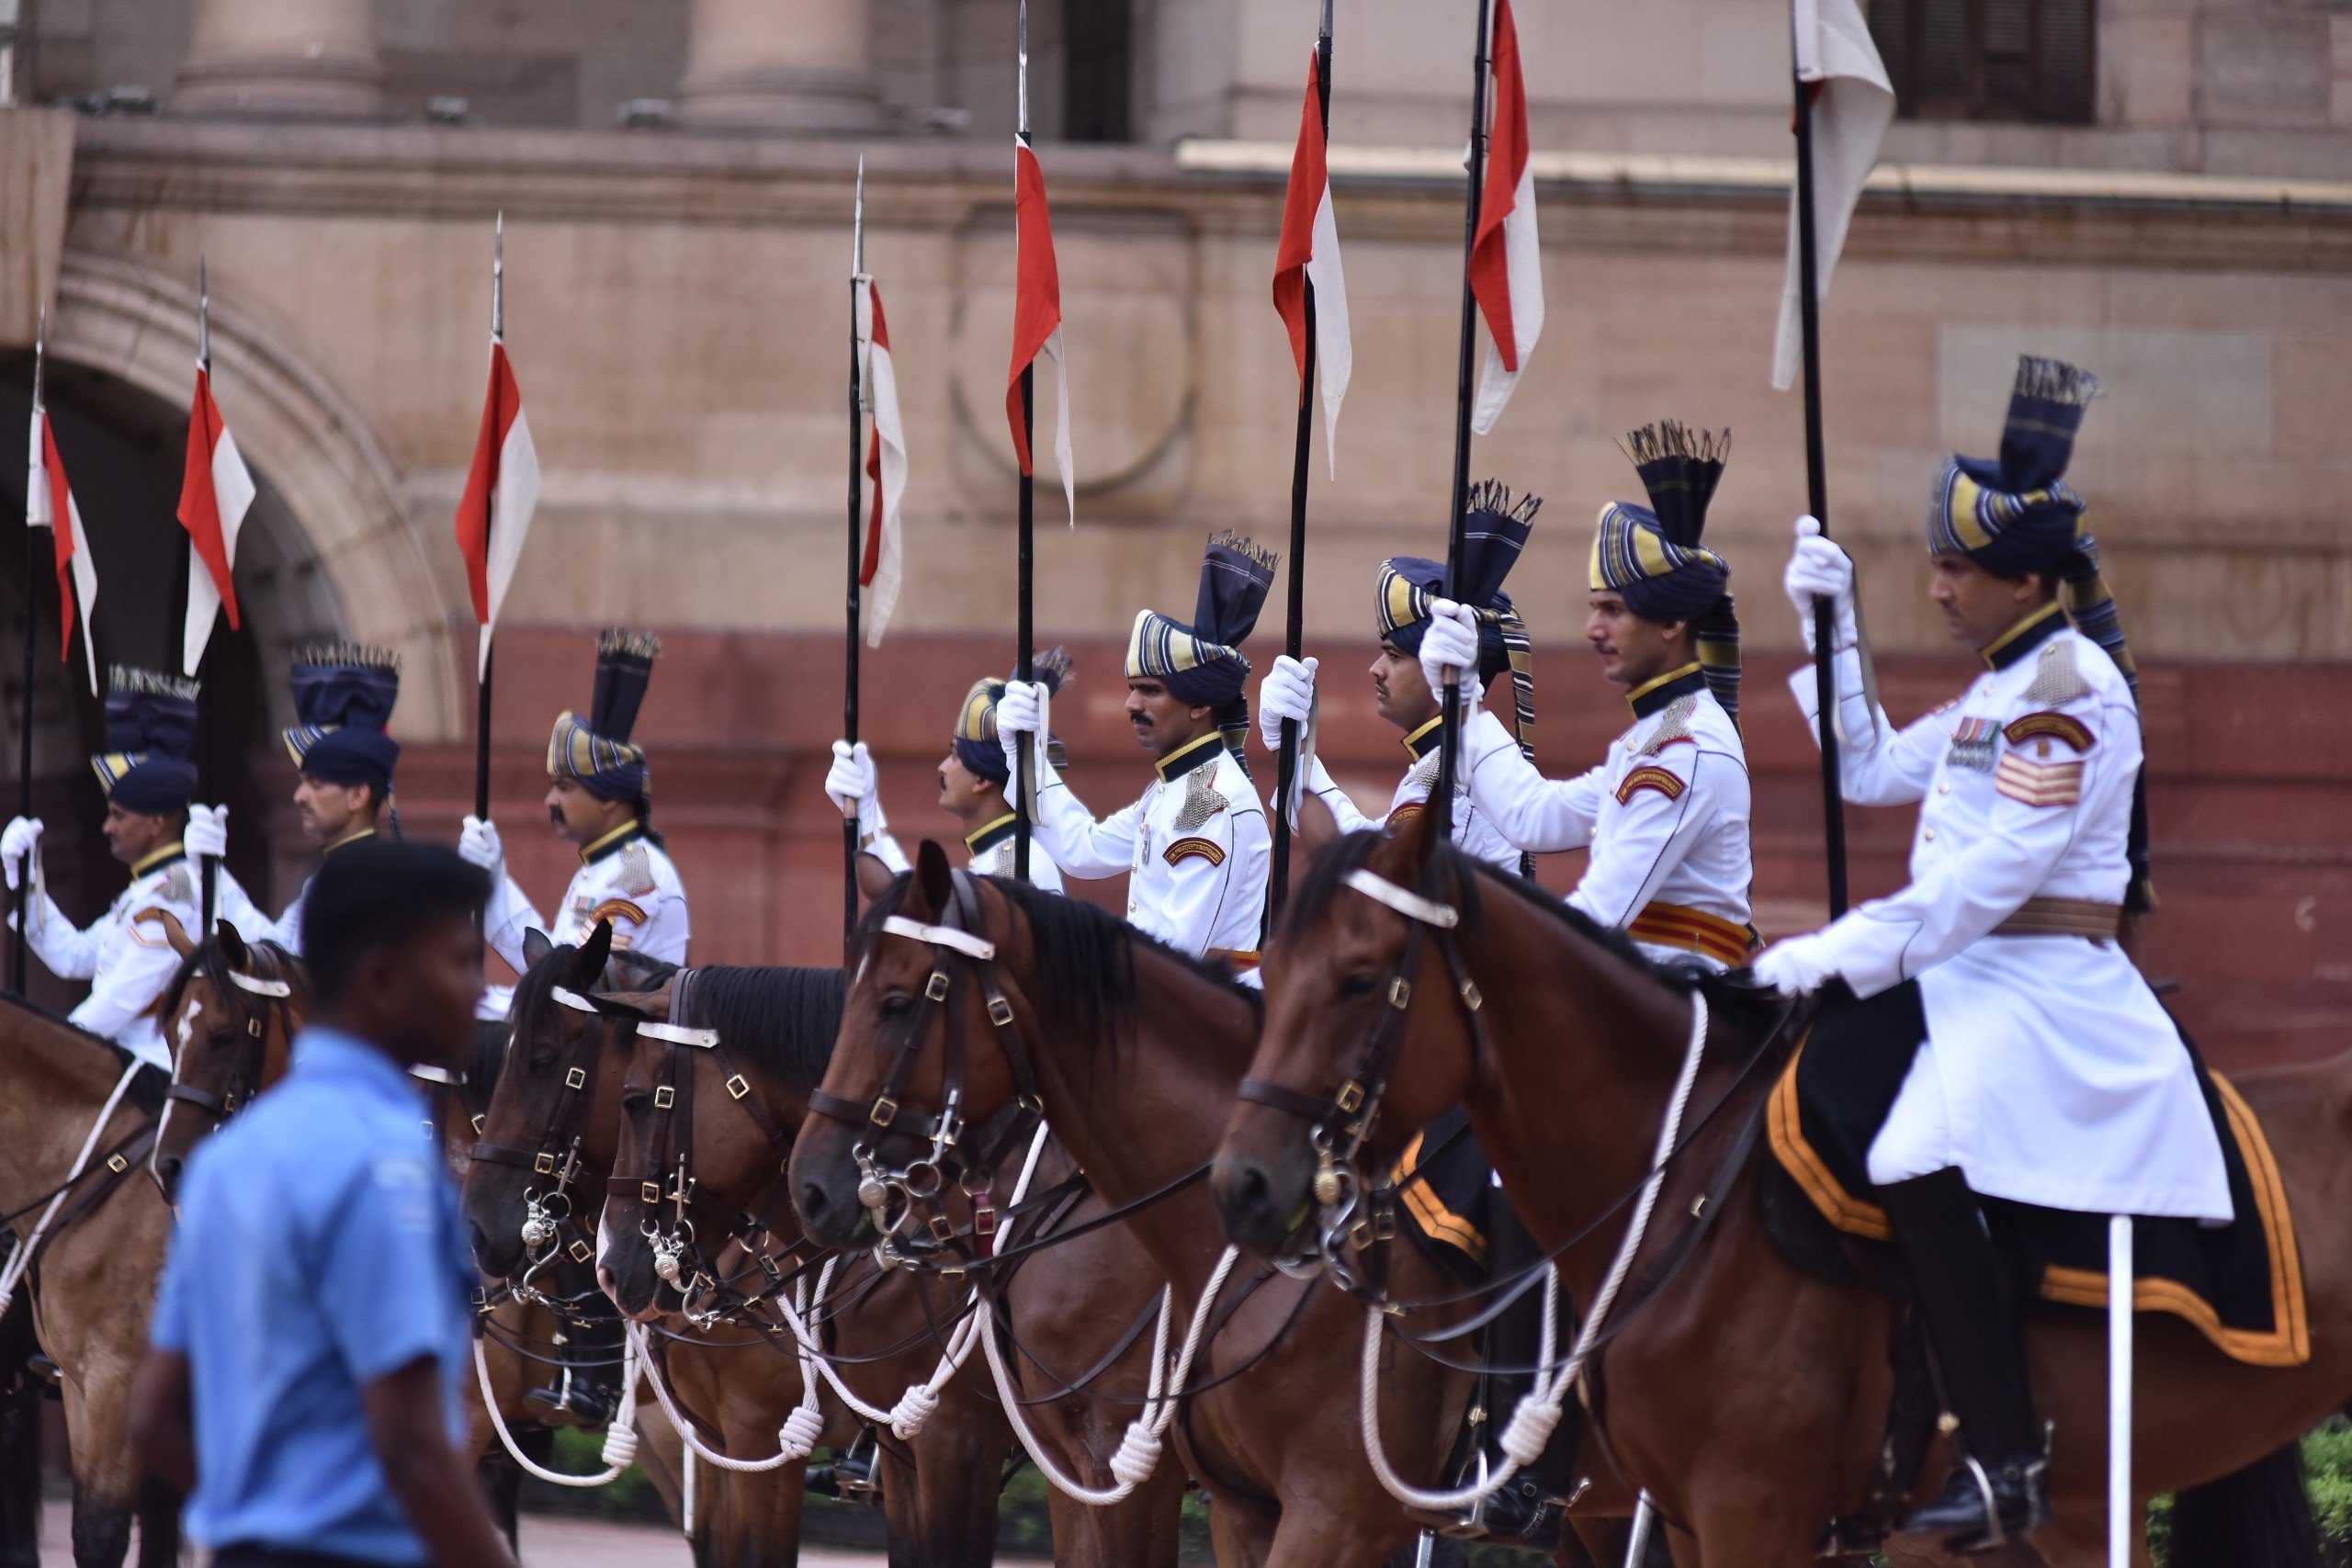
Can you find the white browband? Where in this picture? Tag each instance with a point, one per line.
(1410, 905)
(678, 1034)
(941, 936)
(431, 1074)
(573, 999)
(259, 986)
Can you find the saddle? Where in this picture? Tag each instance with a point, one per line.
(2240, 1285)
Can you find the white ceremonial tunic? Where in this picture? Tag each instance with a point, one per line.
(990, 853)
(1196, 848)
(623, 877)
(127, 961)
(1667, 818)
(2051, 1075)
(1473, 832)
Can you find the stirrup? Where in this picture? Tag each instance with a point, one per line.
(1994, 1537)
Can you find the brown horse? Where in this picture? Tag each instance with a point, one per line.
(1085, 1302)
(1747, 1395)
(231, 1014)
(1134, 1053)
(93, 1282)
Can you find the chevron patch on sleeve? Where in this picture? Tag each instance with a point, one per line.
(2056, 726)
(2039, 784)
(1183, 850)
(1650, 776)
(616, 910)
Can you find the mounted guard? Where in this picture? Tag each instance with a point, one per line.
(1666, 815)
(600, 797)
(1195, 847)
(1402, 596)
(2019, 1055)
(126, 953)
(973, 778)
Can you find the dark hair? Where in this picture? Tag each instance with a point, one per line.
(375, 893)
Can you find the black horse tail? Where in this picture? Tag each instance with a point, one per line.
(2256, 1518)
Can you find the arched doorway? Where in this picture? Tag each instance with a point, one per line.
(326, 551)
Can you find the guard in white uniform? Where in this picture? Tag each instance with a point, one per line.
(344, 694)
(126, 953)
(1196, 848)
(1495, 534)
(1666, 814)
(2048, 1074)
(973, 778)
(601, 797)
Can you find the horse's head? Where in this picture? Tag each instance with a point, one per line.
(230, 1014)
(1347, 1067)
(551, 1106)
(928, 1073)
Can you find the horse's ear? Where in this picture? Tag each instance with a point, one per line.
(934, 878)
(1411, 840)
(173, 933)
(232, 946)
(536, 946)
(592, 953)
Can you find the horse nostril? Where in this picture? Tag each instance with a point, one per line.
(812, 1200)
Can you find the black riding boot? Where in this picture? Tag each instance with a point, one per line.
(588, 1379)
(1528, 1512)
(1969, 1303)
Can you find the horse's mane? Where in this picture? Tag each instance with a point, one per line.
(1086, 957)
(1741, 1005)
(777, 1020)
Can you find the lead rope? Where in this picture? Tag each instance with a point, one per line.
(14, 1275)
(916, 1406)
(621, 1437)
(1539, 1409)
(796, 1441)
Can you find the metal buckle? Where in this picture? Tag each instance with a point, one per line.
(1400, 993)
(1350, 1096)
(649, 1192)
(884, 1111)
(942, 1229)
(478, 1121)
(580, 1251)
(543, 1163)
(664, 1097)
(936, 986)
(737, 1088)
(252, 1027)
(1470, 995)
(576, 1078)
(116, 1164)
(999, 1012)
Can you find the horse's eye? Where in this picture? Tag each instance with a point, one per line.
(1361, 983)
(541, 1061)
(635, 1100)
(897, 1004)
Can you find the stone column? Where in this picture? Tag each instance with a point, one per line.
(284, 59)
(798, 66)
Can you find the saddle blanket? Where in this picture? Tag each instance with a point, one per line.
(2240, 1285)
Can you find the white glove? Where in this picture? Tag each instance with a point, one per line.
(478, 844)
(1819, 569)
(208, 832)
(1450, 646)
(20, 839)
(851, 786)
(1286, 693)
(1022, 711)
(1798, 966)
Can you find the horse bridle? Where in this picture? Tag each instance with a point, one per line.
(253, 1003)
(1352, 1207)
(548, 1216)
(970, 1153)
(678, 1257)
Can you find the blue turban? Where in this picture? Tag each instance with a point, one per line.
(151, 732)
(976, 743)
(1652, 555)
(1494, 533)
(595, 752)
(1203, 664)
(343, 701)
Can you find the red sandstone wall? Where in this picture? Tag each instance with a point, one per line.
(2251, 797)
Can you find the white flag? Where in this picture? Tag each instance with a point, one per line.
(1852, 104)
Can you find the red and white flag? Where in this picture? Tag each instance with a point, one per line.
(1037, 315)
(886, 467)
(1309, 252)
(1852, 104)
(1506, 263)
(501, 491)
(215, 492)
(49, 503)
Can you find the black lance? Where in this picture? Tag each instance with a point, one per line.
(1833, 805)
(856, 538)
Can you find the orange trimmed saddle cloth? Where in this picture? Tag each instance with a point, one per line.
(2241, 1285)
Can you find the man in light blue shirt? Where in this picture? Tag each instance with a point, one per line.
(311, 1336)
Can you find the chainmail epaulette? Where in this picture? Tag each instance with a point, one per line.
(2056, 679)
(1202, 800)
(1673, 724)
